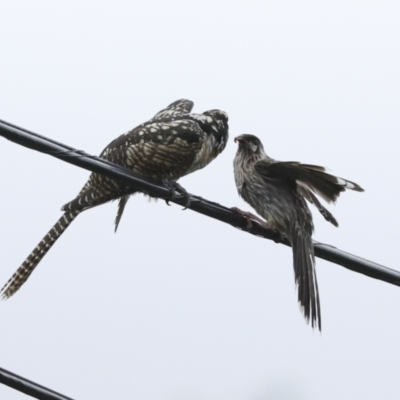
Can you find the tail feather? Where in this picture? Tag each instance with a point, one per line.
(121, 207)
(90, 197)
(306, 278)
(24, 271)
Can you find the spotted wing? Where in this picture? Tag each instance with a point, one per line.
(162, 150)
(175, 109)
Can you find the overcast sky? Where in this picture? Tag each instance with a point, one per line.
(177, 305)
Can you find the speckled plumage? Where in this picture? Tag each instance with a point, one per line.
(172, 144)
(278, 192)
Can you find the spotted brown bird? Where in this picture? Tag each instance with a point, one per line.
(172, 144)
(278, 191)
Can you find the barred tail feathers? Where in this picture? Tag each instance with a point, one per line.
(24, 271)
(306, 278)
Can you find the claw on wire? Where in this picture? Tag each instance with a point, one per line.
(177, 188)
(251, 217)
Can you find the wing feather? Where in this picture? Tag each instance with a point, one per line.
(314, 177)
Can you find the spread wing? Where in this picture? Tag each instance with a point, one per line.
(175, 109)
(310, 196)
(309, 179)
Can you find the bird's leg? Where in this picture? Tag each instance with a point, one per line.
(181, 190)
(177, 188)
(251, 217)
(267, 225)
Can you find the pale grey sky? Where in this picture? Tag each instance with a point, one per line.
(176, 305)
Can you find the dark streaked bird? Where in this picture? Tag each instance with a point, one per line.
(277, 191)
(172, 144)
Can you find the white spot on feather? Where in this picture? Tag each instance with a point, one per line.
(345, 183)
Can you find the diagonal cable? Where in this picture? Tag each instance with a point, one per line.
(28, 387)
(154, 188)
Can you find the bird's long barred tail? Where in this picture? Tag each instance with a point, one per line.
(23, 272)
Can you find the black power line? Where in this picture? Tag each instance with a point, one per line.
(214, 210)
(28, 387)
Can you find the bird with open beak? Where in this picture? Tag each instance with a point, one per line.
(278, 192)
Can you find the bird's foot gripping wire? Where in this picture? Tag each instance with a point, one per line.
(250, 217)
(176, 188)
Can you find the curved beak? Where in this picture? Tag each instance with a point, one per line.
(239, 139)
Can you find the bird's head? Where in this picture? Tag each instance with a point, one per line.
(220, 117)
(250, 145)
(219, 127)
